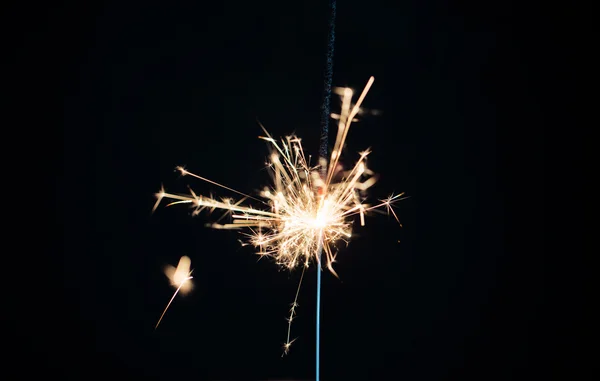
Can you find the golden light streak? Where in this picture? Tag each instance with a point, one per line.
(180, 277)
(288, 343)
(304, 208)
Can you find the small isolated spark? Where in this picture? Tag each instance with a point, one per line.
(180, 278)
(306, 206)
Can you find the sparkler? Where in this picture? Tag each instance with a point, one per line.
(306, 207)
(181, 278)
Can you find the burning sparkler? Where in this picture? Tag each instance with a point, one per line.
(307, 206)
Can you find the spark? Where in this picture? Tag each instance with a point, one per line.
(181, 278)
(288, 343)
(305, 206)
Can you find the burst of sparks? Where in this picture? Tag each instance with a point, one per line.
(181, 278)
(305, 206)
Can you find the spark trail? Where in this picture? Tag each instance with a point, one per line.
(179, 277)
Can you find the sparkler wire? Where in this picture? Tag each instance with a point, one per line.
(323, 152)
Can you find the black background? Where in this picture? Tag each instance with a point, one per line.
(467, 94)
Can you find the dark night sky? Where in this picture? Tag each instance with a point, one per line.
(460, 292)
